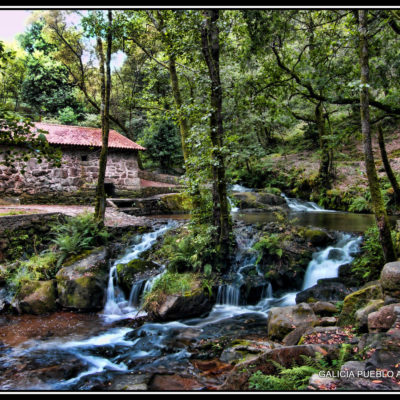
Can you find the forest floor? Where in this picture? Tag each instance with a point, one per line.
(348, 163)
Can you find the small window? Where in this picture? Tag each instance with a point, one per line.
(84, 158)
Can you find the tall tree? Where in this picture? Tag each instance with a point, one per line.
(211, 51)
(100, 205)
(388, 168)
(381, 218)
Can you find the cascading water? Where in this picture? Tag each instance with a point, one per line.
(230, 294)
(326, 263)
(240, 188)
(115, 351)
(117, 307)
(301, 205)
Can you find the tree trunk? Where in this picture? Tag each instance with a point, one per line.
(376, 195)
(324, 175)
(183, 125)
(387, 166)
(100, 206)
(221, 216)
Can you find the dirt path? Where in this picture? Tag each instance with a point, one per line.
(113, 217)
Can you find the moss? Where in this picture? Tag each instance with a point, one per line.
(357, 300)
(77, 257)
(177, 202)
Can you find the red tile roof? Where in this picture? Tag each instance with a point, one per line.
(85, 136)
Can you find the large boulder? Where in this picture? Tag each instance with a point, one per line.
(283, 320)
(357, 300)
(82, 285)
(325, 290)
(383, 319)
(390, 279)
(37, 297)
(361, 315)
(318, 237)
(266, 362)
(177, 306)
(260, 201)
(169, 307)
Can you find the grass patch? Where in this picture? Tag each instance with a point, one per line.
(171, 283)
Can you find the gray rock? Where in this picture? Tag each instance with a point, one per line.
(283, 320)
(390, 279)
(82, 285)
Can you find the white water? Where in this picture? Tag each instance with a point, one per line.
(233, 208)
(117, 307)
(301, 205)
(155, 336)
(239, 188)
(326, 263)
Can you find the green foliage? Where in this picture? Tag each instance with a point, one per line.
(77, 234)
(67, 116)
(268, 245)
(294, 378)
(162, 141)
(191, 250)
(297, 377)
(170, 283)
(38, 267)
(369, 262)
(359, 204)
(23, 143)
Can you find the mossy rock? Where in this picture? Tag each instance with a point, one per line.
(134, 271)
(260, 201)
(177, 202)
(390, 279)
(37, 297)
(361, 315)
(82, 285)
(317, 237)
(195, 301)
(357, 300)
(283, 320)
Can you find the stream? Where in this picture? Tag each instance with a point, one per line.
(101, 351)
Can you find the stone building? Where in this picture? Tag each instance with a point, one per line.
(78, 174)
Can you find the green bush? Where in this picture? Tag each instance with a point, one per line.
(67, 116)
(170, 283)
(297, 377)
(191, 250)
(359, 204)
(77, 234)
(38, 267)
(268, 245)
(368, 264)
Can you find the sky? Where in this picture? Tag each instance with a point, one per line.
(12, 22)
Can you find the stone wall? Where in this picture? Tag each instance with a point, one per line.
(78, 173)
(153, 176)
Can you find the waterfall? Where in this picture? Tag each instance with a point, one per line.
(326, 263)
(239, 188)
(301, 205)
(230, 294)
(117, 307)
(233, 208)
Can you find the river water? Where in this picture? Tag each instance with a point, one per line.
(107, 347)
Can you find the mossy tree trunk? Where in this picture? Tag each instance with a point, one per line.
(211, 50)
(382, 220)
(100, 204)
(183, 124)
(324, 174)
(387, 166)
